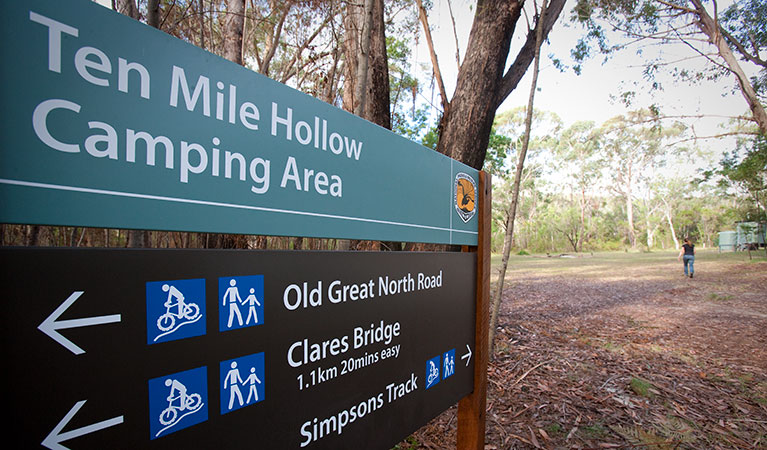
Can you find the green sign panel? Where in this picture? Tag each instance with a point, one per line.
(107, 122)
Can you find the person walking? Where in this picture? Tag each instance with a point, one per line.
(687, 255)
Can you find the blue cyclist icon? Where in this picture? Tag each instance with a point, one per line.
(177, 401)
(175, 309)
(432, 371)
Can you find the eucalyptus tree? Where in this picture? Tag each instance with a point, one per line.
(633, 145)
(486, 77)
(577, 149)
(525, 142)
(669, 195)
(748, 174)
(505, 152)
(725, 41)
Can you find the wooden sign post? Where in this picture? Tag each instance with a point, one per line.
(472, 408)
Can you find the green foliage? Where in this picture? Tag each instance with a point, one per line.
(410, 443)
(614, 25)
(409, 119)
(411, 125)
(497, 153)
(430, 138)
(641, 387)
(573, 195)
(749, 174)
(746, 21)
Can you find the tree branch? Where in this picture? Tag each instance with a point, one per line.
(741, 49)
(435, 64)
(455, 36)
(527, 52)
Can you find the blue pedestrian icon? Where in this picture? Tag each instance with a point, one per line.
(240, 302)
(242, 382)
(448, 363)
(177, 401)
(432, 371)
(175, 309)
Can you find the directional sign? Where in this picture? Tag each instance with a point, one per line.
(224, 349)
(107, 122)
(51, 325)
(56, 437)
(467, 356)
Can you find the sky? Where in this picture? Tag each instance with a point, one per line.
(588, 96)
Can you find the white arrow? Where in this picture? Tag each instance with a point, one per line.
(467, 356)
(54, 439)
(50, 325)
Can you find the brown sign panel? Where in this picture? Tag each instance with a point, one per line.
(233, 349)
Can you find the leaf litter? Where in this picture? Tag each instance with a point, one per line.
(645, 360)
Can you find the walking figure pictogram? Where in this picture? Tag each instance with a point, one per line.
(232, 298)
(232, 382)
(252, 301)
(240, 297)
(252, 380)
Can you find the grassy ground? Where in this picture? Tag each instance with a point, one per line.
(603, 263)
(619, 350)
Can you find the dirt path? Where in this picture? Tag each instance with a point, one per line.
(617, 355)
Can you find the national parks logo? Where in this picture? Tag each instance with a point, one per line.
(465, 196)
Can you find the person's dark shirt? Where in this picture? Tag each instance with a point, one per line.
(689, 249)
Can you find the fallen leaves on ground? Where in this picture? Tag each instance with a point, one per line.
(645, 359)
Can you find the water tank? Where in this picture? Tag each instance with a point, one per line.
(750, 233)
(728, 240)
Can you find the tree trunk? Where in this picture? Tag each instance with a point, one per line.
(138, 238)
(464, 131)
(234, 23)
(366, 90)
(153, 13)
(583, 220)
(329, 89)
(361, 89)
(201, 19)
(650, 235)
(33, 236)
(366, 79)
(272, 40)
(517, 182)
(127, 8)
(434, 62)
(671, 230)
(377, 99)
(711, 29)
(356, 52)
(630, 218)
(630, 206)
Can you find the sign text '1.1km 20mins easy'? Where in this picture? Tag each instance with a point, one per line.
(220, 349)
